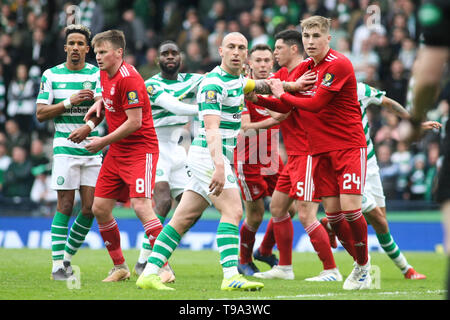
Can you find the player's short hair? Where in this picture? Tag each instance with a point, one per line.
(323, 23)
(260, 47)
(78, 28)
(115, 37)
(291, 37)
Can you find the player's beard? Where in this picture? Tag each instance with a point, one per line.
(170, 70)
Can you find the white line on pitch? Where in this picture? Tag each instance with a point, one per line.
(319, 295)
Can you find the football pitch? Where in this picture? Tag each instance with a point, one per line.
(25, 275)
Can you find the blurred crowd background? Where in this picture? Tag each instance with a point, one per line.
(32, 40)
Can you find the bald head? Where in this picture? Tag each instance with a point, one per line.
(233, 52)
(233, 36)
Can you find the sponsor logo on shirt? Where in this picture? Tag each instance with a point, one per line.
(108, 105)
(132, 97)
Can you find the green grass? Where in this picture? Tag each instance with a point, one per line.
(25, 275)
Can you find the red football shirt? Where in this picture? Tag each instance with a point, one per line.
(337, 125)
(247, 147)
(292, 129)
(126, 90)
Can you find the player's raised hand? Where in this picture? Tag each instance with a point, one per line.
(276, 86)
(307, 80)
(428, 125)
(94, 110)
(79, 134)
(95, 145)
(81, 96)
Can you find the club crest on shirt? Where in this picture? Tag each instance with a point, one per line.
(87, 85)
(210, 96)
(327, 79)
(132, 97)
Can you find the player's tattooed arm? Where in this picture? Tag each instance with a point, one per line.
(262, 87)
(304, 83)
(395, 107)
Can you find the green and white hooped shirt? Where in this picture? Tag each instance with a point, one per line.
(59, 83)
(183, 88)
(368, 95)
(221, 93)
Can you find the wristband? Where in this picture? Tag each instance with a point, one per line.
(91, 124)
(67, 103)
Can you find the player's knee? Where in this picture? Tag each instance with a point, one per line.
(254, 220)
(277, 210)
(234, 214)
(65, 206)
(306, 216)
(99, 211)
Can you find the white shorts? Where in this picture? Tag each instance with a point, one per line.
(373, 190)
(172, 168)
(69, 173)
(201, 168)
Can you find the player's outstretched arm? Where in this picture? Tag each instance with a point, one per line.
(172, 104)
(395, 107)
(304, 83)
(132, 124)
(314, 104)
(248, 125)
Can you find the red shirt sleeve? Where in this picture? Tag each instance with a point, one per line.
(131, 95)
(314, 104)
(336, 75)
(273, 104)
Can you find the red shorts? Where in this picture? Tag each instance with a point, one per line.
(340, 172)
(257, 180)
(296, 179)
(122, 178)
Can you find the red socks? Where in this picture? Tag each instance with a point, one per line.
(152, 229)
(358, 227)
(283, 231)
(343, 232)
(321, 244)
(247, 234)
(351, 229)
(111, 237)
(268, 241)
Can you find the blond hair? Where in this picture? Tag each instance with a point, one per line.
(323, 23)
(115, 37)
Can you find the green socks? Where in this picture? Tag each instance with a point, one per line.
(228, 246)
(393, 251)
(80, 228)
